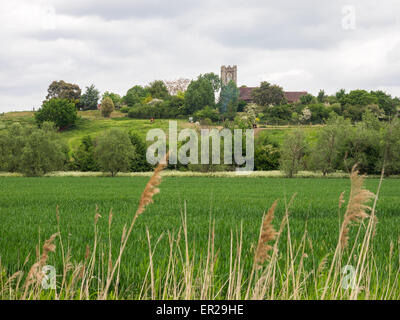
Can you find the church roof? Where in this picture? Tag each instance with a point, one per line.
(291, 96)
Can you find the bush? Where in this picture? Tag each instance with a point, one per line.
(107, 107)
(139, 162)
(207, 113)
(266, 155)
(124, 109)
(83, 158)
(32, 151)
(61, 112)
(140, 111)
(114, 151)
(293, 150)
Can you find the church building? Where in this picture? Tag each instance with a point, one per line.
(229, 73)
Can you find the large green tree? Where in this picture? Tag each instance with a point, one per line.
(62, 112)
(32, 151)
(158, 90)
(229, 98)
(114, 151)
(268, 94)
(90, 99)
(83, 157)
(135, 95)
(63, 90)
(214, 79)
(199, 94)
(293, 150)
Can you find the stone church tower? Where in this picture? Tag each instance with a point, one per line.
(228, 74)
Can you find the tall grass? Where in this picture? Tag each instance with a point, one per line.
(273, 275)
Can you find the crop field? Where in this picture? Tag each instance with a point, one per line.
(234, 206)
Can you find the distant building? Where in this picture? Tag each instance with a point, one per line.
(291, 96)
(229, 73)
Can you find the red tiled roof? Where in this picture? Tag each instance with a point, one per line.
(291, 96)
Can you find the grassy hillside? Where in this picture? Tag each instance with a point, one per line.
(92, 123)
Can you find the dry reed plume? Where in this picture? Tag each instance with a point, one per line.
(356, 208)
(267, 234)
(35, 274)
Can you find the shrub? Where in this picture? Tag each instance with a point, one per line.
(42, 152)
(293, 150)
(124, 109)
(207, 113)
(114, 151)
(107, 107)
(61, 112)
(83, 158)
(139, 162)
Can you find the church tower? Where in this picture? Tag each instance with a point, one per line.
(228, 74)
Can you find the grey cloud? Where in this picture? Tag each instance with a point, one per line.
(116, 44)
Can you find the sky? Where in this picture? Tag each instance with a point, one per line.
(303, 45)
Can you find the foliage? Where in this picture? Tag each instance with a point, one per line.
(325, 154)
(31, 151)
(214, 79)
(268, 94)
(107, 107)
(114, 151)
(293, 150)
(61, 112)
(139, 162)
(229, 98)
(207, 112)
(63, 90)
(135, 95)
(266, 155)
(83, 158)
(158, 90)
(116, 99)
(199, 94)
(90, 98)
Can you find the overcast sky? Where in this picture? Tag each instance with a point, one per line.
(300, 45)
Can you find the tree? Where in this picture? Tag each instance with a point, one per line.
(325, 153)
(293, 150)
(229, 97)
(62, 112)
(307, 99)
(158, 90)
(214, 79)
(268, 94)
(139, 162)
(83, 158)
(115, 97)
(114, 151)
(385, 102)
(42, 152)
(90, 98)
(266, 154)
(107, 107)
(359, 98)
(63, 90)
(322, 97)
(390, 151)
(199, 94)
(12, 141)
(135, 95)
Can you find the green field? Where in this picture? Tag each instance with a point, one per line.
(28, 213)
